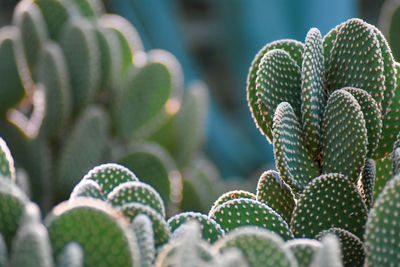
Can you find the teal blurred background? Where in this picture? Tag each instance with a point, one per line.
(216, 41)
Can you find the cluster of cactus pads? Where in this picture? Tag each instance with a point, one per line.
(77, 90)
(328, 105)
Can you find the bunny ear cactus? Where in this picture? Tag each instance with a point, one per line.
(352, 248)
(28, 18)
(104, 236)
(327, 104)
(211, 230)
(381, 236)
(142, 226)
(12, 86)
(260, 247)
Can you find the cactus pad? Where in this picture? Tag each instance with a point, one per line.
(12, 203)
(82, 149)
(134, 191)
(330, 200)
(344, 136)
(110, 175)
(100, 231)
(230, 196)
(352, 248)
(260, 247)
(274, 192)
(78, 42)
(143, 228)
(51, 71)
(12, 87)
(383, 174)
(312, 91)
(293, 160)
(211, 230)
(390, 122)
(278, 80)
(152, 164)
(367, 182)
(356, 60)
(31, 246)
(160, 226)
(372, 117)
(295, 50)
(87, 188)
(28, 18)
(55, 15)
(242, 211)
(381, 236)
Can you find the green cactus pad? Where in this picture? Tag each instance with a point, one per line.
(184, 133)
(71, 256)
(7, 169)
(211, 230)
(87, 188)
(330, 200)
(381, 235)
(313, 95)
(199, 190)
(390, 122)
(31, 246)
(160, 226)
(293, 159)
(243, 211)
(103, 36)
(352, 248)
(260, 247)
(383, 174)
(143, 228)
(28, 18)
(82, 149)
(12, 202)
(295, 50)
(3, 252)
(128, 37)
(109, 176)
(274, 192)
(278, 80)
(143, 96)
(12, 86)
(327, 42)
(139, 192)
(235, 194)
(303, 249)
(51, 71)
(152, 164)
(356, 60)
(329, 255)
(344, 136)
(55, 15)
(101, 232)
(367, 182)
(78, 42)
(389, 71)
(372, 117)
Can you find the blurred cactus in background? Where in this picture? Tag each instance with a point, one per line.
(78, 90)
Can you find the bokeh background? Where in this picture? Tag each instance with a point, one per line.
(216, 41)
